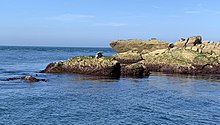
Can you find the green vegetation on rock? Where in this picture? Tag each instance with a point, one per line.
(105, 66)
(138, 57)
(80, 58)
(180, 57)
(91, 60)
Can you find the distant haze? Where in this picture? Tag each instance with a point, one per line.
(94, 23)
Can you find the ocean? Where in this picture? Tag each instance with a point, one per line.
(74, 99)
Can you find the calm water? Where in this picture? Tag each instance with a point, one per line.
(78, 99)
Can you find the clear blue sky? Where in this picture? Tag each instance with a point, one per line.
(90, 23)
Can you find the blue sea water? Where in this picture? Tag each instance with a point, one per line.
(73, 99)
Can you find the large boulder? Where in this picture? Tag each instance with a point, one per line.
(128, 57)
(105, 66)
(138, 45)
(188, 42)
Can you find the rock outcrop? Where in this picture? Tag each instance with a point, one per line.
(188, 42)
(105, 66)
(136, 58)
(182, 61)
(187, 56)
(209, 47)
(138, 45)
(195, 43)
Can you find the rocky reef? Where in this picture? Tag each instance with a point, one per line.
(90, 65)
(136, 58)
(186, 56)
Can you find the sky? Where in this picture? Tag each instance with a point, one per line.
(95, 23)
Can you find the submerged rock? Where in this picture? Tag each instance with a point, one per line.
(30, 79)
(26, 78)
(14, 78)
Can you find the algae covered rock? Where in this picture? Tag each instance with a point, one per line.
(182, 57)
(182, 61)
(187, 56)
(134, 70)
(138, 45)
(105, 66)
(138, 57)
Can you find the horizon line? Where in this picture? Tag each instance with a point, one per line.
(55, 46)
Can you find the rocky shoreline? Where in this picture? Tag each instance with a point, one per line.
(137, 58)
